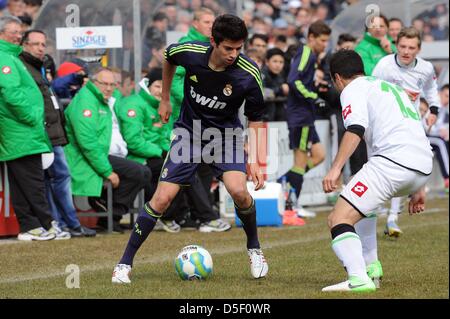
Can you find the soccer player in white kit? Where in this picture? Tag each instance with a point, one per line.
(414, 75)
(400, 160)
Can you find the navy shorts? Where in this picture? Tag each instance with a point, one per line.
(303, 138)
(184, 157)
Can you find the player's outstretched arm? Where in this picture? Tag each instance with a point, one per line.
(165, 109)
(253, 147)
(348, 145)
(417, 202)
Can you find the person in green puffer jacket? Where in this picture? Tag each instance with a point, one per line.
(146, 136)
(376, 43)
(23, 138)
(199, 31)
(96, 149)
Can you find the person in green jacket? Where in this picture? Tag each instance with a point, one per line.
(146, 136)
(376, 43)
(23, 138)
(199, 31)
(89, 126)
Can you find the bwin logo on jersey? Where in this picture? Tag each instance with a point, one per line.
(206, 101)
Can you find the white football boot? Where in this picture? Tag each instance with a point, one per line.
(258, 264)
(121, 274)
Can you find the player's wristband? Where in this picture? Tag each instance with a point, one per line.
(434, 110)
(357, 129)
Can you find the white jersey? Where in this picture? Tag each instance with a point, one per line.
(418, 80)
(393, 127)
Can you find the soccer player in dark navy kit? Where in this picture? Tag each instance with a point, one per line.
(218, 80)
(300, 111)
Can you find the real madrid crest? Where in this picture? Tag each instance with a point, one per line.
(228, 90)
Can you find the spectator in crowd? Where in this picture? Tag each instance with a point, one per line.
(394, 27)
(171, 12)
(157, 56)
(376, 43)
(256, 56)
(259, 42)
(26, 22)
(93, 135)
(202, 209)
(22, 119)
(302, 99)
(70, 78)
(32, 8)
(3, 4)
(281, 42)
(418, 24)
(155, 33)
(14, 8)
(303, 21)
(145, 135)
(275, 86)
(57, 176)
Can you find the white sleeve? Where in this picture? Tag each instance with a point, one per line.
(430, 88)
(354, 107)
(378, 70)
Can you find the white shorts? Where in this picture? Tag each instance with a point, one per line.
(378, 181)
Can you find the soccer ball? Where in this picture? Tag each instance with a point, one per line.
(193, 262)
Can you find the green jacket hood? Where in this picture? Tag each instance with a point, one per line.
(10, 48)
(145, 94)
(194, 35)
(94, 90)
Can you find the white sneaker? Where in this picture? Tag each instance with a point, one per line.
(59, 233)
(39, 234)
(301, 212)
(217, 225)
(121, 274)
(258, 264)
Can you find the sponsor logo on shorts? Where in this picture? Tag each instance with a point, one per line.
(346, 111)
(359, 189)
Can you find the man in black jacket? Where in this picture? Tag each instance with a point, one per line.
(58, 187)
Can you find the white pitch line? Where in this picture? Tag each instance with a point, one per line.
(167, 258)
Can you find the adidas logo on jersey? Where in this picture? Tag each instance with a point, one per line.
(206, 101)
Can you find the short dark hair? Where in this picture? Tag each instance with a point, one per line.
(395, 20)
(346, 63)
(274, 51)
(281, 38)
(345, 37)
(444, 87)
(26, 35)
(159, 16)
(230, 27)
(261, 36)
(33, 3)
(318, 28)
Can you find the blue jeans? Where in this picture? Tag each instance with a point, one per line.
(58, 191)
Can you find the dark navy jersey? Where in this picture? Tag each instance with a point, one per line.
(215, 97)
(300, 106)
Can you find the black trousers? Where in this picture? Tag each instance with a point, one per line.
(27, 185)
(133, 178)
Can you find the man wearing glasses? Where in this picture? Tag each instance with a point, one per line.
(57, 177)
(23, 138)
(96, 149)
